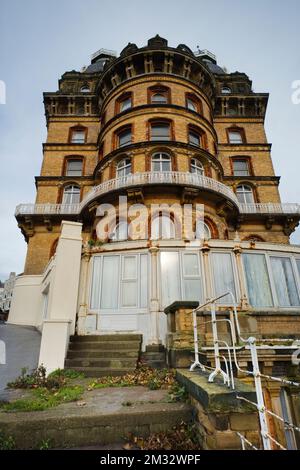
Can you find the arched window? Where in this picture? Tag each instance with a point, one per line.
(196, 167)
(124, 167)
(159, 95)
(161, 162)
(162, 227)
(244, 194)
(85, 89)
(226, 90)
(202, 230)
(120, 232)
(71, 194)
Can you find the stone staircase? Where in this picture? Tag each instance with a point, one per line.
(101, 355)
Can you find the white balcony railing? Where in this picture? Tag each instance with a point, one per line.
(148, 178)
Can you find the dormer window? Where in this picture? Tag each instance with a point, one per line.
(85, 89)
(226, 90)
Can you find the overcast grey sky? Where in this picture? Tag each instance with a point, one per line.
(40, 40)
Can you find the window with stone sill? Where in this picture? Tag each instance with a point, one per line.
(241, 167)
(74, 167)
(160, 131)
(235, 136)
(124, 137)
(78, 136)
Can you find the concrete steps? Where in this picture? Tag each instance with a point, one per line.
(103, 420)
(101, 355)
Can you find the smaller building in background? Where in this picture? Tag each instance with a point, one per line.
(6, 292)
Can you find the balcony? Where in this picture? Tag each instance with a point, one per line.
(157, 178)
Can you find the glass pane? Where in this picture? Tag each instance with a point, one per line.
(298, 265)
(124, 138)
(191, 264)
(74, 168)
(125, 104)
(192, 289)
(78, 137)
(129, 294)
(96, 276)
(284, 281)
(223, 276)
(166, 166)
(194, 139)
(110, 282)
(155, 166)
(170, 277)
(159, 98)
(257, 278)
(144, 280)
(191, 105)
(235, 137)
(129, 267)
(160, 132)
(240, 168)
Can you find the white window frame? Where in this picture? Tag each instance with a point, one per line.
(163, 157)
(202, 275)
(221, 303)
(268, 255)
(120, 309)
(122, 166)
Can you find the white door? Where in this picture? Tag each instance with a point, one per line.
(119, 290)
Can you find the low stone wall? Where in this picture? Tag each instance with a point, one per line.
(219, 415)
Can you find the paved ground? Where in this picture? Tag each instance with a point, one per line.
(102, 419)
(22, 350)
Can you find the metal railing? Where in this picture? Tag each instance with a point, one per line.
(249, 343)
(148, 178)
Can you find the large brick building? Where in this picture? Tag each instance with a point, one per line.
(159, 125)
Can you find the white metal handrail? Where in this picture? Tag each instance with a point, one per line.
(250, 343)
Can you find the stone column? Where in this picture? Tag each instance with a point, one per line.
(83, 294)
(63, 299)
(154, 300)
(244, 301)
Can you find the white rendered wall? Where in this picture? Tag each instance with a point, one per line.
(27, 301)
